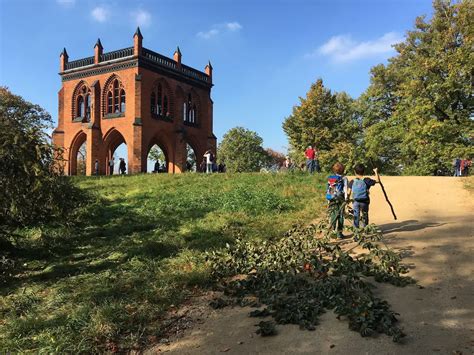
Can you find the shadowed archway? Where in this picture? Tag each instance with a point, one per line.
(112, 140)
(78, 148)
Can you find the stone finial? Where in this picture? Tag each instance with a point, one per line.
(63, 59)
(98, 50)
(177, 56)
(137, 42)
(208, 70)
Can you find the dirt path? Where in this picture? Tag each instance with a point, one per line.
(435, 229)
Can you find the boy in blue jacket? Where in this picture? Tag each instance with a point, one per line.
(359, 188)
(336, 194)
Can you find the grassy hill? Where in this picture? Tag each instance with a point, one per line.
(102, 280)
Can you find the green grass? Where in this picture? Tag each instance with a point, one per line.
(104, 280)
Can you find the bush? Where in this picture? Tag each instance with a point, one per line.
(32, 190)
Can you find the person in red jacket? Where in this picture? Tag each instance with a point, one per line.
(310, 154)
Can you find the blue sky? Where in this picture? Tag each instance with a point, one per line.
(265, 53)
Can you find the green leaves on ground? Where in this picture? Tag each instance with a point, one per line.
(303, 274)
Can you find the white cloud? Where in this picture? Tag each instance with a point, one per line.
(233, 26)
(343, 48)
(141, 18)
(100, 14)
(66, 2)
(220, 29)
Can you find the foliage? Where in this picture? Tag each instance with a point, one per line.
(105, 283)
(305, 273)
(156, 154)
(275, 158)
(325, 120)
(418, 109)
(417, 114)
(32, 190)
(241, 150)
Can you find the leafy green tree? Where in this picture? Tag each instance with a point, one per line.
(32, 190)
(326, 120)
(241, 150)
(156, 154)
(418, 111)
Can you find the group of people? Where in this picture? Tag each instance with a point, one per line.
(312, 161)
(111, 164)
(159, 168)
(340, 190)
(461, 167)
(209, 164)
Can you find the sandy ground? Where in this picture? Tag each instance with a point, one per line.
(435, 232)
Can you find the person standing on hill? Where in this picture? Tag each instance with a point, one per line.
(359, 188)
(310, 154)
(209, 160)
(122, 166)
(111, 165)
(316, 161)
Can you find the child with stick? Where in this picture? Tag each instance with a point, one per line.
(336, 194)
(359, 188)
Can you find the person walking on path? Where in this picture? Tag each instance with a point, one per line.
(310, 154)
(111, 165)
(209, 160)
(359, 188)
(122, 166)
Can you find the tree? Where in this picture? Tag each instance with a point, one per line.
(241, 150)
(327, 121)
(274, 157)
(156, 154)
(32, 190)
(418, 111)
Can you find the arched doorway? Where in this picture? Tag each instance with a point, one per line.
(78, 155)
(115, 152)
(157, 161)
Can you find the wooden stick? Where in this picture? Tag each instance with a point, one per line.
(385, 193)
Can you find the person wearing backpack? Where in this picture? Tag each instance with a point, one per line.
(336, 194)
(359, 189)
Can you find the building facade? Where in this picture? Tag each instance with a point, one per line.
(137, 97)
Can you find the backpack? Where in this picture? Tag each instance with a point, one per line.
(335, 187)
(211, 158)
(360, 192)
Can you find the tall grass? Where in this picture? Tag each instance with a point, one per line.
(103, 280)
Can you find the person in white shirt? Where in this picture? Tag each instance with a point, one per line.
(209, 160)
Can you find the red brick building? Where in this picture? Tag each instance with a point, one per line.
(137, 97)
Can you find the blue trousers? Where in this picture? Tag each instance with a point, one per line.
(361, 208)
(310, 165)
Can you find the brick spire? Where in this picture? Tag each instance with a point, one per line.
(137, 42)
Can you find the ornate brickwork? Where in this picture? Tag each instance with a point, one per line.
(137, 97)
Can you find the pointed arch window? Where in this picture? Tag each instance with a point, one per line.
(153, 103)
(82, 104)
(190, 111)
(160, 102)
(115, 98)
